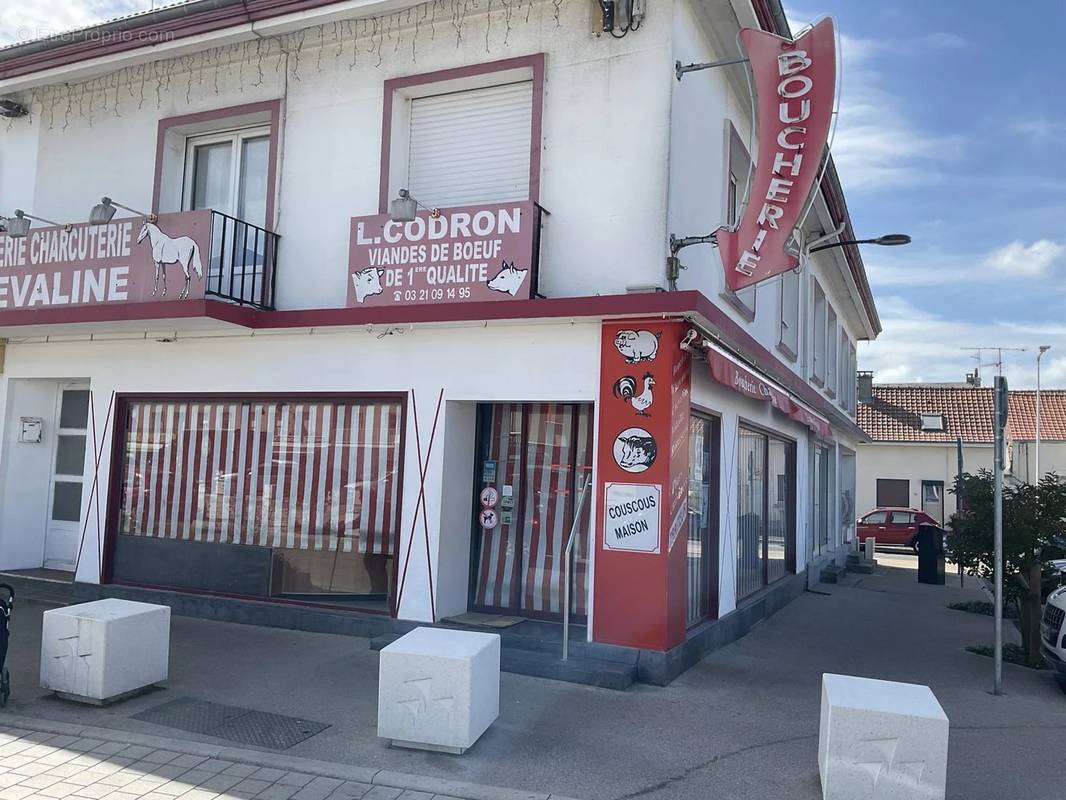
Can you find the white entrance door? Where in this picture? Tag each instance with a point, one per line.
(68, 476)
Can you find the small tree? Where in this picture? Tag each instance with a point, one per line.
(1034, 519)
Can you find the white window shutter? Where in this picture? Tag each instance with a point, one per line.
(471, 147)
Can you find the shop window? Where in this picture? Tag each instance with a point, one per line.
(703, 497)
(818, 326)
(464, 137)
(820, 493)
(289, 498)
(766, 510)
(847, 495)
(738, 168)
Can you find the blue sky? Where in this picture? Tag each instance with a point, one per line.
(951, 129)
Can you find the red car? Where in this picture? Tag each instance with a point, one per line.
(893, 525)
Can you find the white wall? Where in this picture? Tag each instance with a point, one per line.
(604, 149)
(452, 579)
(1023, 459)
(915, 462)
(471, 364)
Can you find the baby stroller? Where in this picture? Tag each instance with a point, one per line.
(6, 604)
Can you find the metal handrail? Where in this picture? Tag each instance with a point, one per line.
(566, 565)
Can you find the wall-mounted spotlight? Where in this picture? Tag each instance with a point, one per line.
(18, 226)
(12, 109)
(405, 208)
(103, 211)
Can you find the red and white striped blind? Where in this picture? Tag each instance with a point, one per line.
(290, 474)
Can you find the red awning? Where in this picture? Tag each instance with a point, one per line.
(728, 373)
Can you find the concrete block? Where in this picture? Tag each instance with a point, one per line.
(871, 548)
(105, 650)
(881, 739)
(438, 689)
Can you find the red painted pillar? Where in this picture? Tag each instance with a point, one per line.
(641, 528)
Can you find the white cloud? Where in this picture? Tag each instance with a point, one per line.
(21, 21)
(921, 346)
(1017, 258)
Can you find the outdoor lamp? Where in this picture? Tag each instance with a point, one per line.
(405, 207)
(19, 225)
(888, 240)
(103, 211)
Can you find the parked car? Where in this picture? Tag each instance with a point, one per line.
(893, 525)
(1053, 634)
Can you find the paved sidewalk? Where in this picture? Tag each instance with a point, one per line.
(58, 761)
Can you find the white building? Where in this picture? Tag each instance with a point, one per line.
(319, 433)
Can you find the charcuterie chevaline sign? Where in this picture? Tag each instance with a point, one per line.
(462, 254)
(125, 261)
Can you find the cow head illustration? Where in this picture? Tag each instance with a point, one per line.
(508, 280)
(367, 282)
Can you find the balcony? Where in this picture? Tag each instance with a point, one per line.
(243, 262)
(185, 265)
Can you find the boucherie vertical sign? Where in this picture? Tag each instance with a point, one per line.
(795, 82)
(463, 254)
(125, 261)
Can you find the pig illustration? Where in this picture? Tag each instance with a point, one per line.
(508, 279)
(637, 346)
(367, 282)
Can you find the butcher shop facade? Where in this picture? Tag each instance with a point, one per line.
(429, 371)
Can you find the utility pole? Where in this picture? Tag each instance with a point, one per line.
(1000, 422)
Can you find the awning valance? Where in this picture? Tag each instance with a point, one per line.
(740, 379)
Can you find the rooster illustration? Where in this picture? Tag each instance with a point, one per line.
(626, 389)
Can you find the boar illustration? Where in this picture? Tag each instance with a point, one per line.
(637, 346)
(635, 453)
(367, 282)
(508, 280)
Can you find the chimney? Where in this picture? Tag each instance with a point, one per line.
(866, 386)
(973, 379)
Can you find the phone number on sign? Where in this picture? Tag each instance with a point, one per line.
(418, 295)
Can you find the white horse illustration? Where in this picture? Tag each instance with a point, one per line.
(166, 251)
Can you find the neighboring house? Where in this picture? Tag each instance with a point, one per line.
(1021, 433)
(327, 413)
(914, 430)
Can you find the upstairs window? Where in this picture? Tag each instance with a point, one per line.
(831, 351)
(738, 167)
(818, 327)
(464, 137)
(933, 422)
(227, 172)
(790, 294)
(471, 147)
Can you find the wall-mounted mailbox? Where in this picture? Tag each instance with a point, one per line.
(31, 429)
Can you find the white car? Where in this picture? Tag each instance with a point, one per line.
(1053, 634)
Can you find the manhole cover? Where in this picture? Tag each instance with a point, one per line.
(244, 725)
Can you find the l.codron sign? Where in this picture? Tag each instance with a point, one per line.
(125, 261)
(466, 254)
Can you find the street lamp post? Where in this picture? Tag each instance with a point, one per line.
(1043, 349)
(888, 240)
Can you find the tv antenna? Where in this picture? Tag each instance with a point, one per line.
(977, 353)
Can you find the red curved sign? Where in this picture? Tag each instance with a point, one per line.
(794, 85)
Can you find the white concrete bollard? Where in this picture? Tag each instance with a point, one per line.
(881, 740)
(438, 689)
(103, 651)
(871, 548)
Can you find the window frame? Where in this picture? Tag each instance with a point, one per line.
(474, 76)
(792, 278)
(237, 138)
(832, 354)
(928, 427)
(172, 132)
(819, 305)
(744, 301)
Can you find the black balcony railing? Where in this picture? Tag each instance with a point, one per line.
(244, 262)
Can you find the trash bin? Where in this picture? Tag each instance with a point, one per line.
(931, 554)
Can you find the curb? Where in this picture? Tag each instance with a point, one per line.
(328, 769)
